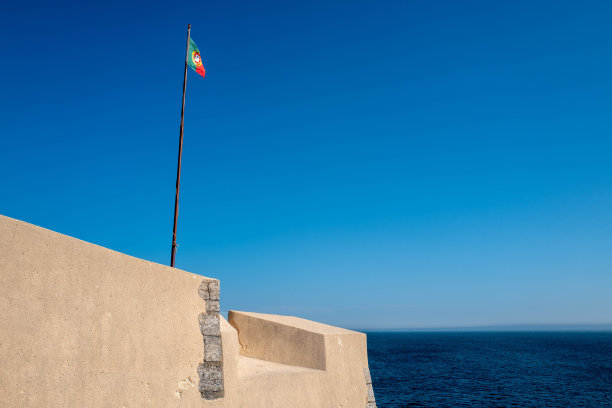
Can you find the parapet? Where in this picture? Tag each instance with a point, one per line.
(85, 326)
(290, 340)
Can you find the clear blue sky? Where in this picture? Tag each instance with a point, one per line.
(366, 164)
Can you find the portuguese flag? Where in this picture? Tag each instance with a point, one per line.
(194, 59)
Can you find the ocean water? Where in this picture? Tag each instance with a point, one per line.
(493, 369)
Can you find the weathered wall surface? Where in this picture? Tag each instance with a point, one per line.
(84, 326)
(325, 362)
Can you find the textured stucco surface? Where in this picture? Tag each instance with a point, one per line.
(327, 362)
(84, 326)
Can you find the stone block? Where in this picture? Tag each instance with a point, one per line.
(212, 306)
(371, 405)
(371, 394)
(203, 289)
(210, 324)
(211, 376)
(213, 290)
(212, 348)
(211, 395)
(366, 374)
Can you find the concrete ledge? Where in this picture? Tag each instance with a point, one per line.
(283, 339)
(308, 364)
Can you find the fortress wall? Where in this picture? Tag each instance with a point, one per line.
(84, 326)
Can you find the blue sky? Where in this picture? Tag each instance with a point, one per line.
(393, 164)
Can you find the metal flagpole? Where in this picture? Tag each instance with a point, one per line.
(180, 153)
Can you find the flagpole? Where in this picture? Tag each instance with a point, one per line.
(180, 153)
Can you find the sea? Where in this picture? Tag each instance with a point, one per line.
(491, 369)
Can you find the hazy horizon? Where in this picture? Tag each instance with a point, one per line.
(604, 327)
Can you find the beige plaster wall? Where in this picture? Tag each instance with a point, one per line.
(339, 357)
(84, 326)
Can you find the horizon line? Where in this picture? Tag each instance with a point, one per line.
(590, 327)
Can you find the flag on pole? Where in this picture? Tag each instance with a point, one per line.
(194, 59)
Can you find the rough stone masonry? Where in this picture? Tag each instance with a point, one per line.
(370, 401)
(211, 370)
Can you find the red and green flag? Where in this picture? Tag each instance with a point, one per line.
(194, 59)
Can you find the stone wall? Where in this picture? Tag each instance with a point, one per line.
(371, 401)
(84, 326)
(211, 369)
